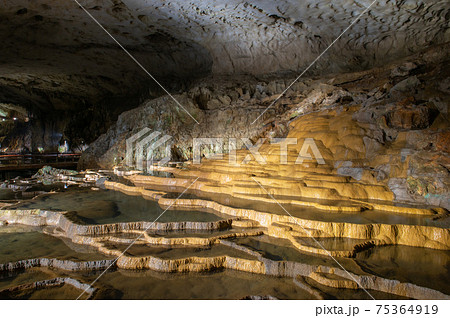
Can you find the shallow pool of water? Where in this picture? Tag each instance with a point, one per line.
(309, 213)
(200, 233)
(421, 266)
(22, 243)
(108, 206)
(63, 292)
(176, 252)
(225, 284)
(280, 249)
(331, 244)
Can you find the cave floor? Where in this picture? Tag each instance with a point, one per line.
(56, 244)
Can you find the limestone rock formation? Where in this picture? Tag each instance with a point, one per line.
(375, 133)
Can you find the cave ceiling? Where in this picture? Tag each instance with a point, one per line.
(55, 57)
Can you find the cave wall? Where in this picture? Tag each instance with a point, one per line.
(54, 59)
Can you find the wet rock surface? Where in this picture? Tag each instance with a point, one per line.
(230, 244)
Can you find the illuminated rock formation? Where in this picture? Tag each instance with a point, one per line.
(108, 240)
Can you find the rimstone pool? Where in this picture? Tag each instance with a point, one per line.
(146, 243)
(106, 206)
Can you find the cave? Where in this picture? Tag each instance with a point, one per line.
(257, 149)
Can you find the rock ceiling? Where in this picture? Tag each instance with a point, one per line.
(54, 56)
